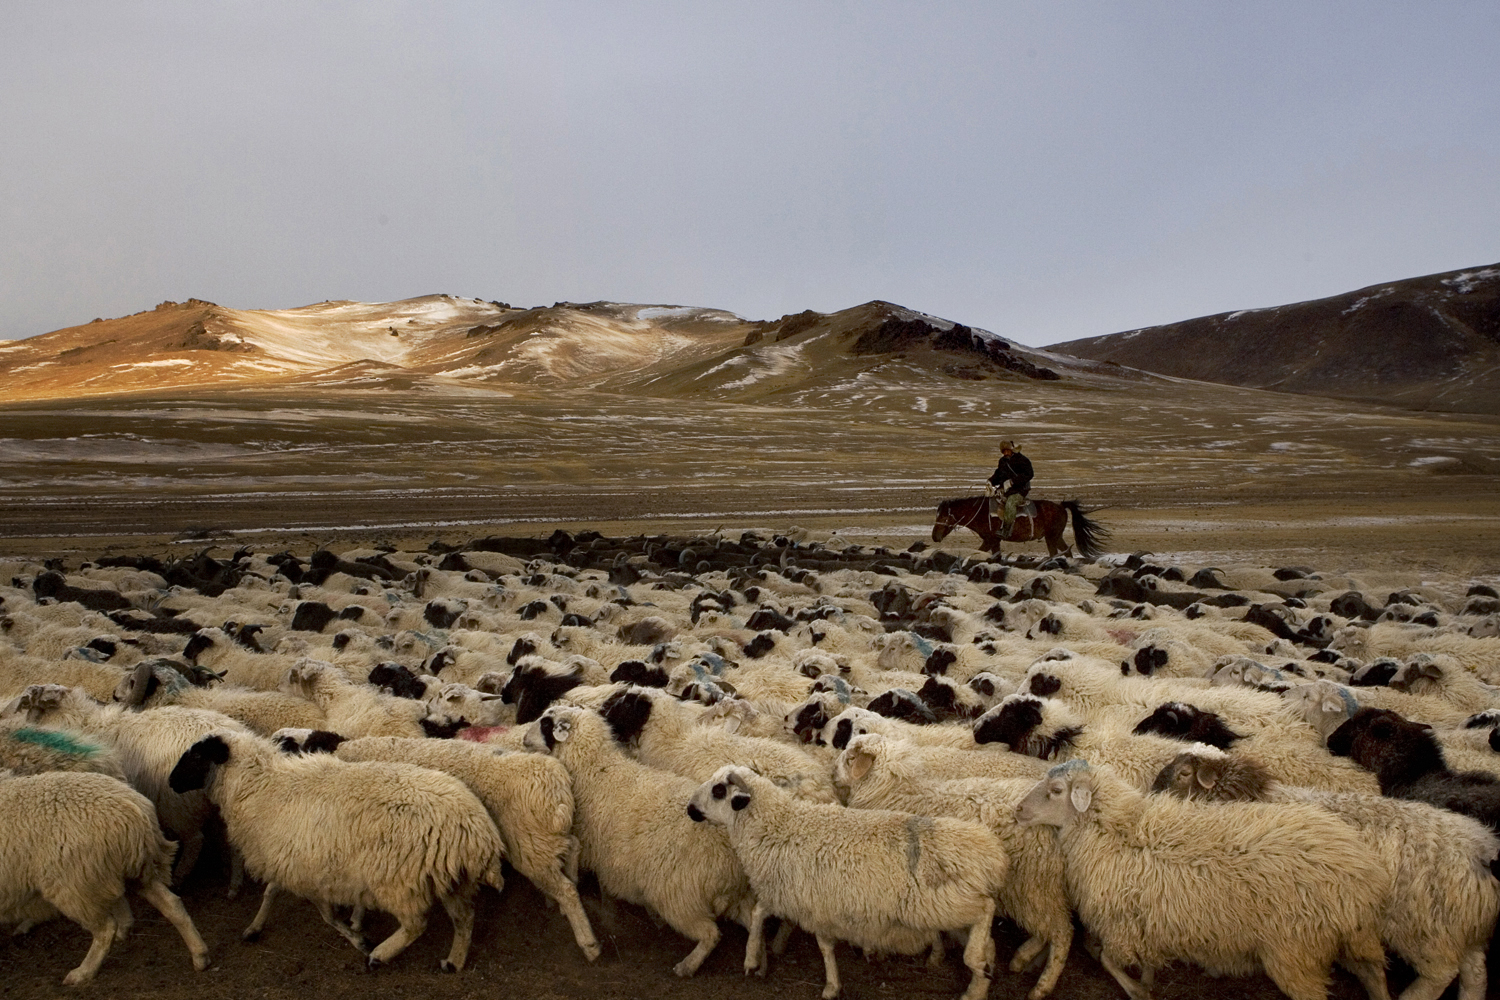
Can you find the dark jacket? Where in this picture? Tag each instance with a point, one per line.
(1016, 468)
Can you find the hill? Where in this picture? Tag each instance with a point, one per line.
(1429, 343)
(440, 341)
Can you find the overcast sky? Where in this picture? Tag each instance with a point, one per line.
(1047, 170)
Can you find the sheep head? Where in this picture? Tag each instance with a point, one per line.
(194, 767)
(720, 797)
(1059, 799)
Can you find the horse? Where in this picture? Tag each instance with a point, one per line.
(1048, 524)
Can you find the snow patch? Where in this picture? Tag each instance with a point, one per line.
(1467, 281)
(1426, 460)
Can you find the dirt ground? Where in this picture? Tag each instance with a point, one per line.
(521, 948)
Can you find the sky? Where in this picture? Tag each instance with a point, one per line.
(1045, 170)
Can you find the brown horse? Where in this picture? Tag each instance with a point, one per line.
(1048, 524)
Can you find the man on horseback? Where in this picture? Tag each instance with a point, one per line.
(1012, 476)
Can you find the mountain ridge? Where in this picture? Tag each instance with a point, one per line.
(1425, 343)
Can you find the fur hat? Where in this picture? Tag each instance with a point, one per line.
(1007, 444)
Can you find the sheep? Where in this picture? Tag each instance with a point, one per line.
(1048, 730)
(529, 796)
(854, 721)
(72, 842)
(1234, 887)
(634, 834)
(215, 649)
(148, 743)
(1409, 764)
(26, 750)
(1442, 677)
(18, 672)
(881, 773)
(153, 685)
(459, 704)
(665, 734)
(352, 709)
(374, 835)
(1443, 900)
(880, 879)
(537, 683)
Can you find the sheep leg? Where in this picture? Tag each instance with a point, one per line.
(706, 932)
(1027, 953)
(188, 850)
(1132, 989)
(325, 910)
(559, 887)
(1299, 977)
(783, 935)
(979, 954)
(1427, 987)
(357, 917)
(252, 933)
(460, 908)
(1472, 975)
(755, 947)
(1365, 957)
(167, 903)
(1061, 942)
(410, 928)
(102, 927)
(236, 873)
(936, 952)
(123, 919)
(570, 860)
(831, 983)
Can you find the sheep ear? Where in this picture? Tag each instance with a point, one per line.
(860, 763)
(738, 781)
(1208, 774)
(731, 723)
(1332, 704)
(561, 730)
(1081, 796)
(738, 801)
(1429, 670)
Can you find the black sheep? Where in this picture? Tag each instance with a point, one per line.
(1409, 764)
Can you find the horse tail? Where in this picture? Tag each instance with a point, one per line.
(1088, 533)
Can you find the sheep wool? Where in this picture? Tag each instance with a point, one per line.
(1233, 888)
(879, 879)
(72, 842)
(376, 835)
(530, 797)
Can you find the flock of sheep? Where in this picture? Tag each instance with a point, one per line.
(1247, 769)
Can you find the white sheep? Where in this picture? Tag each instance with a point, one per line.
(376, 835)
(880, 773)
(152, 686)
(530, 797)
(1048, 729)
(19, 671)
(879, 879)
(634, 833)
(148, 744)
(353, 709)
(665, 733)
(1441, 676)
(26, 749)
(1443, 899)
(1234, 888)
(71, 843)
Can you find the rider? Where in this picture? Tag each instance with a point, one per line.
(1013, 477)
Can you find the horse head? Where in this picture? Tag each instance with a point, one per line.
(945, 523)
